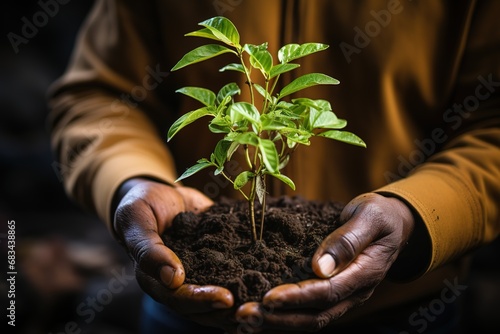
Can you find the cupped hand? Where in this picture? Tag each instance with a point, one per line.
(144, 211)
(350, 263)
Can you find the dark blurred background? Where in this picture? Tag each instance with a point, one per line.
(71, 275)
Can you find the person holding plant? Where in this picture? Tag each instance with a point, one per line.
(419, 83)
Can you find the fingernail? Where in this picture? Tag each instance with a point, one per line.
(167, 274)
(219, 305)
(326, 265)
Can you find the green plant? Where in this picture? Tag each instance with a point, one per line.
(269, 132)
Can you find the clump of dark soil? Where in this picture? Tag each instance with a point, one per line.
(216, 246)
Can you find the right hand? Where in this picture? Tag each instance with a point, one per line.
(145, 209)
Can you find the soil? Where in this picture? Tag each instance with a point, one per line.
(216, 247)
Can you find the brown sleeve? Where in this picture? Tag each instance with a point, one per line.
(101, 130)
(456, 192)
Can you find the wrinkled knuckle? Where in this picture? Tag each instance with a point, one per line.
(333, 296)
(346, 247)
(141, 253)
(322, 321)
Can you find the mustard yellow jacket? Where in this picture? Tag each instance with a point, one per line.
(420, 84)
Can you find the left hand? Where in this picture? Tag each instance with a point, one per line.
(350, 262)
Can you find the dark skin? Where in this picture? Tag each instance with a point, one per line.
(350, 262)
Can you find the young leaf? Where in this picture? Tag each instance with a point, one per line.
(285, 179)
(306, 81)
(274, 121)
(200, 54)
(205, 96)
(247, 138)
(263, 92)
(188, 118)
(320, 105)
(220, 124)
(243, 179)
(233, 67)
(220, 151)
(260, 58)
(230, 89)
(223, 29)
(325, 120)
(205, 33)
(246, 110)
(343, 136)
(201, 164)
(291, 52)
(232, 148)
(282, 68)
(269, 155)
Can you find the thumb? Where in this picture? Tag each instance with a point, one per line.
(344, 244)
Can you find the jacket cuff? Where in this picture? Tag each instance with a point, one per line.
(117, 169)
(448, 219)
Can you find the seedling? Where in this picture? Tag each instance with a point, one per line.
(268, 127)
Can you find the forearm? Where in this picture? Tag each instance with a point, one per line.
(98, 149)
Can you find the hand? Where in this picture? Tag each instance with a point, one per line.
(350, 262)
(145, 209)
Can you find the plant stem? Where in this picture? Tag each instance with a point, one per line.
(263, 211)
(249, 80)
(264, 107)
(247, 156)
(251, 209)
(274, 84)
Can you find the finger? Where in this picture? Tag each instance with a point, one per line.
(314, 294)
(194, 200)
(360, 278)
(277, 321)
(188, 299)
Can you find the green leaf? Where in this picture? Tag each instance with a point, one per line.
(202, 164)
(285, 179)
(232, 148)
(306, 81)
(325, 120)
(246, 110)
(205, 33)
(223, 29)
(243, 179)
(343, 136)
(275, 121)
(320, 105)
(200, 54)
(247, 138)
(219, 170)
(230, 89)
(260, 58)
(188, 118)
(220, 151)
(262, 91)
(233, 67)
(284, 161)
(205, 96)
(220, 124)
(269, 155)
(299, 136)
(291, 52)
(282, 68)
